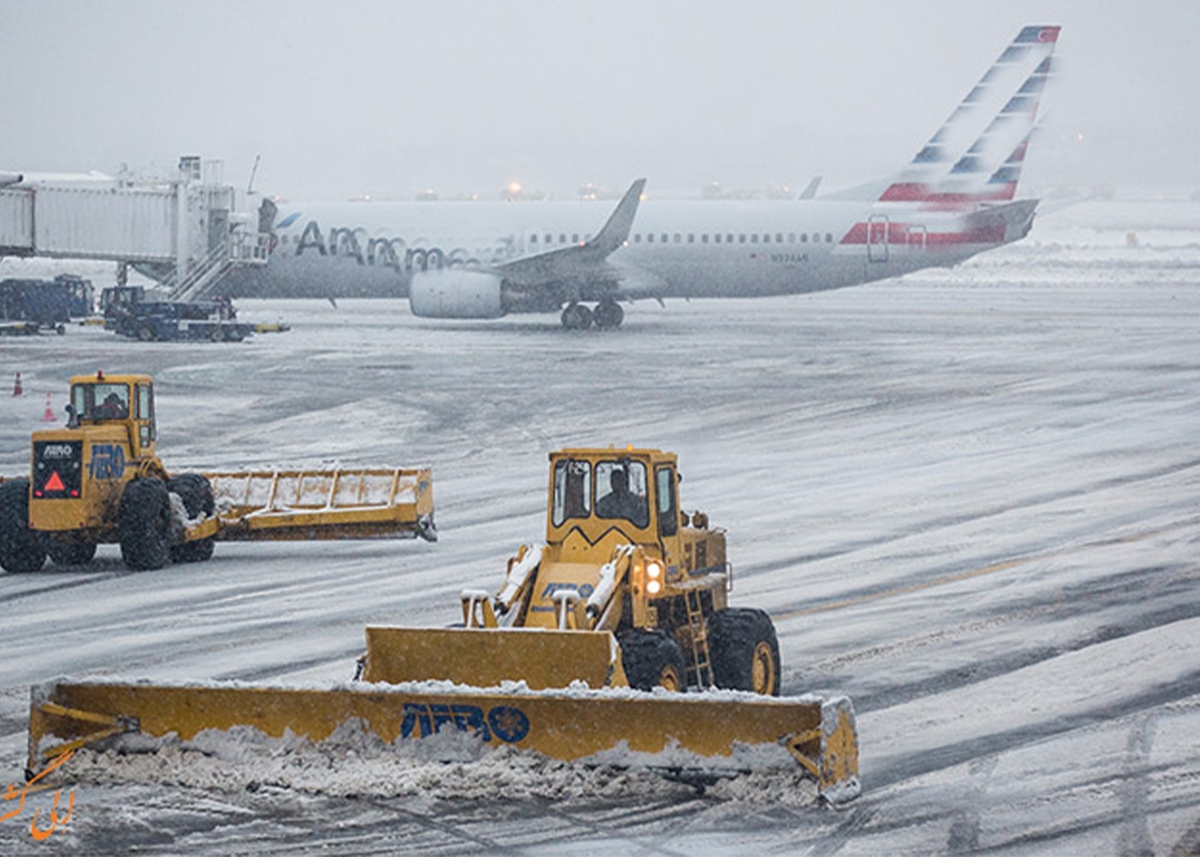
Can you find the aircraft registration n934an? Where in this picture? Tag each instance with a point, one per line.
(480, 260)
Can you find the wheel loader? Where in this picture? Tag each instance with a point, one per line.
(100, 480)
(613, 643)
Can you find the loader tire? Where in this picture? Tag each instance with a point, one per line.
(744, 651)
(196, 493)
(70, 553)
(652, 659)
(21, 549)
(144, 524)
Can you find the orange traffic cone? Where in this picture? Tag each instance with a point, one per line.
(17, 389)
(49, 416)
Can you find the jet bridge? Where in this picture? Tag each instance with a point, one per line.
(186, 232)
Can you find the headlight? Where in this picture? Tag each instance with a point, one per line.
(654, 572)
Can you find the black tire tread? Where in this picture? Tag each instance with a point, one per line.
(144, 524)
(196, 493)
(644, 653)
(733, 634)
(22, 550)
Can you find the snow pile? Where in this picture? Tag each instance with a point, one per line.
(356, 763)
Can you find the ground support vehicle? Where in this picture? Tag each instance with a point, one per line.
(611, 644)
(100, 480)
(30, 306)
(127, 312)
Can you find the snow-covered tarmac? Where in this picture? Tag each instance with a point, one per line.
(968, 498)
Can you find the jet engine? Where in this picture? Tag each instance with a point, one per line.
(455, 293)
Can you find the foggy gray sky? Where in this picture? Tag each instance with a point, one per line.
(387, 98)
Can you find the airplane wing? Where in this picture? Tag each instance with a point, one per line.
(586, 260)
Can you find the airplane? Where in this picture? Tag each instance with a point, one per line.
(480, 260)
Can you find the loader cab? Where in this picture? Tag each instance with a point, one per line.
(630, 495)
(126, 400)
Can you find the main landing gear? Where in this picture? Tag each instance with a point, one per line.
(607, 315)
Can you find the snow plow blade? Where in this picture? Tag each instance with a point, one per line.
(289, 505)
(699, 735)
(542, 658)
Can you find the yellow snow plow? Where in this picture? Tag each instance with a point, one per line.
(100, 480)
(612, 644)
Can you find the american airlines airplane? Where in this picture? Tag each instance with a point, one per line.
(479, 260)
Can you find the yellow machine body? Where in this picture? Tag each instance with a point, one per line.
(689, 732)
(574, 658)
(81, 476)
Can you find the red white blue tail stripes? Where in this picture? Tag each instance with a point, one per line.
(976, 156)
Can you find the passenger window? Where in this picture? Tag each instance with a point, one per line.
(754, 239)
(791, 237)
(704, 238)
(575, 238)
(677, 238)
(562, 238)
(741, 239)
(803, 237)
(691, 238)
(532, 239)
(649, 237)
(717, 238)
(828, 237)
(779, 238)
(729, 238)
(664, 238)
(637, 239)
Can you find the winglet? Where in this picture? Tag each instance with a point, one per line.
(616, 230)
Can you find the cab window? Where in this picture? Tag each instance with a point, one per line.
(572, 490)
(621, 491)
(664, 491)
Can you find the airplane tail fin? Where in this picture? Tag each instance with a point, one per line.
(977, 154)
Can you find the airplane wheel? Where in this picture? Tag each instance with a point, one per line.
(744, 651)
(576, 317)
(652, 659)
(196, 493)
(21, 549)
(144, 524)
(608, 315)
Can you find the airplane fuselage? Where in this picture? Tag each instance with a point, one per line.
(674, 249)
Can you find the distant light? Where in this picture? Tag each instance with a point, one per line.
(1079, 138)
